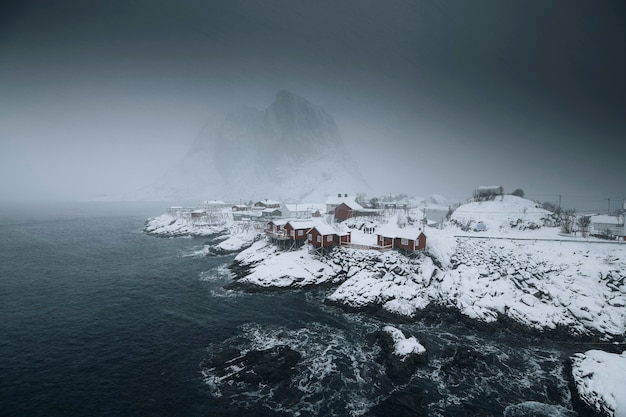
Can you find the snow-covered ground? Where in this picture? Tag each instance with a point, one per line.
(534, 276)
(505, 215)
(172, 225)
(600, 379)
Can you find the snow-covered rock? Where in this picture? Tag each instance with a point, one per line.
(172, 225)
(600, 379)
(404, 346)
(484, 279)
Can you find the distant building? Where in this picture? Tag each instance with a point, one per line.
(271, 213)
(296, 211)
(480, 227)
(267, 204)
(212, 204)
(609, 226)
(333, 202)
(488, 191)
(240, 207)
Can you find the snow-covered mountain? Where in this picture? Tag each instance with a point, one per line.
(290, 151)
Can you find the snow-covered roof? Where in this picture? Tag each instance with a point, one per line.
(325, 229)
(306, 224)
(270, 210)
(199, 211)
(214, 202)
(296, 207)
(268, 202)
(392, 230)
(279, 222)
(606, 219)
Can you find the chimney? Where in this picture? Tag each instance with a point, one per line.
(345, 195)
(339, 195)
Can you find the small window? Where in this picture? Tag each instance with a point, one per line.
(319, 239)
(293, 233)
(329, 238)
(300, 232)
(405, 241)
(309, 237)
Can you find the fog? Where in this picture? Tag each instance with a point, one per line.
(101, 98)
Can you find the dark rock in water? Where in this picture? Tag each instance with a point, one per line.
(467, 358)
(398, 369)
(407, 402)
(270, 366)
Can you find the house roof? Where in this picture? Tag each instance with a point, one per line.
(353, 205)
(307, 224)
(279, 222)
(606, 219)
(297, 207)
(325, 229)
(270, 210)
(392, 230)
(268, 202)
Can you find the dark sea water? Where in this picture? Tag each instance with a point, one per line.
(99, 319)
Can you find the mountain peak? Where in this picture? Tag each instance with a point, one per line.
(290, 150)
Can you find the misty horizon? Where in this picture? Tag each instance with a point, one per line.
(101, 100)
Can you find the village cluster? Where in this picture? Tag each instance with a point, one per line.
(322, 226)
(344, 221)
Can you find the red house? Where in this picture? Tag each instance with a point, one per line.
(344, 211)
(276, 229)
(267, 204)
(297, 230)
(409, 239)
(323, 236)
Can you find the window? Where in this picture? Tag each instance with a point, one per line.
(300, 232)
(319, 239)
(329, 238)
(404, 241)
(293, 233)
(309, 237)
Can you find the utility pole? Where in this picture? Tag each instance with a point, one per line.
(559, 206)
(608, 211)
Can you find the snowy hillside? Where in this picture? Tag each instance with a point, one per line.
(501, 214)
(290, 151)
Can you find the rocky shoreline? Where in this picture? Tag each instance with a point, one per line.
(545, 289)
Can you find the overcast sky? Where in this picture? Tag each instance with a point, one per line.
(100, 97)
